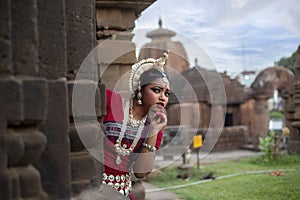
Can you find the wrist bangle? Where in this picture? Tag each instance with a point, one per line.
(149, 147)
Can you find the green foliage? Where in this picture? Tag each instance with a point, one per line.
(266, 145)
(276, 114)
(288, 62)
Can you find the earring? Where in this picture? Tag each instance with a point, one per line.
(139, 95)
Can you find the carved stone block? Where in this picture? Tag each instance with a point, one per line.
(12, 98)
(25, 37)
(82, 99)
(30, 183)
(5, 37)
(52, 39)
(35, 94)
(81, 27)
(54, 163)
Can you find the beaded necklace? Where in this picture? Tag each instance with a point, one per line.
(133, 122)
(122, 150)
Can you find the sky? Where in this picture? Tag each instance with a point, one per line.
(227, 35)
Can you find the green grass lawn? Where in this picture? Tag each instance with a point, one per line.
(241, 186)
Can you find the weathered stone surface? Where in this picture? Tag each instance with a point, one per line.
(12, 99)
(82, 166)
(54, 164)
(231, 138)
(26, 99)
(30, 183)
(5, 36)
(3, 137)
(293, 144)
(114, 18)
(33, 34)
(82, 99)
(116, 52)
(102, 89)
(6, 188)
(116, 76)
(261, 119)
(35, 94)
(81, 27)
(86, 135)
(81, 185)
(75, 141)
(15, 147)
(24, 37)
(34, 142)
(15, 183)
(52, 39)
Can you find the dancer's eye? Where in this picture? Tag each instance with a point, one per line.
(156, 90)
(167, 93)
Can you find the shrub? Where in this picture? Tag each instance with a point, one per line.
(266, 145)
(276, 115)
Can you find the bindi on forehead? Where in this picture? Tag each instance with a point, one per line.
(166, 86)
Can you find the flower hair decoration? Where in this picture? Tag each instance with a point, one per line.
(144, 65)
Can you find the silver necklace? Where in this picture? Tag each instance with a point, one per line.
(122, 150)
(134, 122)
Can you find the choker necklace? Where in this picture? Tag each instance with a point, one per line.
(122, 150)
(134, 122)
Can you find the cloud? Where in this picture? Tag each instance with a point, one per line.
(235, 34)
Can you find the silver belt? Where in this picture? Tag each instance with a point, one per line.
(122, 183)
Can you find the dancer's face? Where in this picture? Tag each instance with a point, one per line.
(156, 92)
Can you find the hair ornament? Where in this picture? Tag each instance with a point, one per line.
(144, 65)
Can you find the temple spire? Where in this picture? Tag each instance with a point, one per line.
(160, 22)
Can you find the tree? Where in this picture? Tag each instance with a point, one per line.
(288, 62)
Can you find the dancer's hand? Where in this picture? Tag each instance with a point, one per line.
(158, 117)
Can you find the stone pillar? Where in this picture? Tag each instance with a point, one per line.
(215, 127)
(81, 32)
(22, 143)
(218, 113)
(81, 40)
(294, 139)
(54, 164)
(22, 103)
(116, 52)
(261, 119)
(6, 184)
(52, 39)
(5, 37)
(24, 37)
(115, 58)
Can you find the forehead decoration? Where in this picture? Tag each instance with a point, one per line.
(144, 65)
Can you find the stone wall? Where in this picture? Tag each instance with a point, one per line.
(231, 138)
(42, 46)
(23, 101)
(293, 109)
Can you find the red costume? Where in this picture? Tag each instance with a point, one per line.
(118, 175)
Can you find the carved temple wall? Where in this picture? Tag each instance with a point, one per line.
(42, 45)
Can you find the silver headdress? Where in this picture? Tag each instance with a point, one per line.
(142, 66)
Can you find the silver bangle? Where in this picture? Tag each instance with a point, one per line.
(149, 147)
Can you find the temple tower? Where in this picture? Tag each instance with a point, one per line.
(160, 42)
